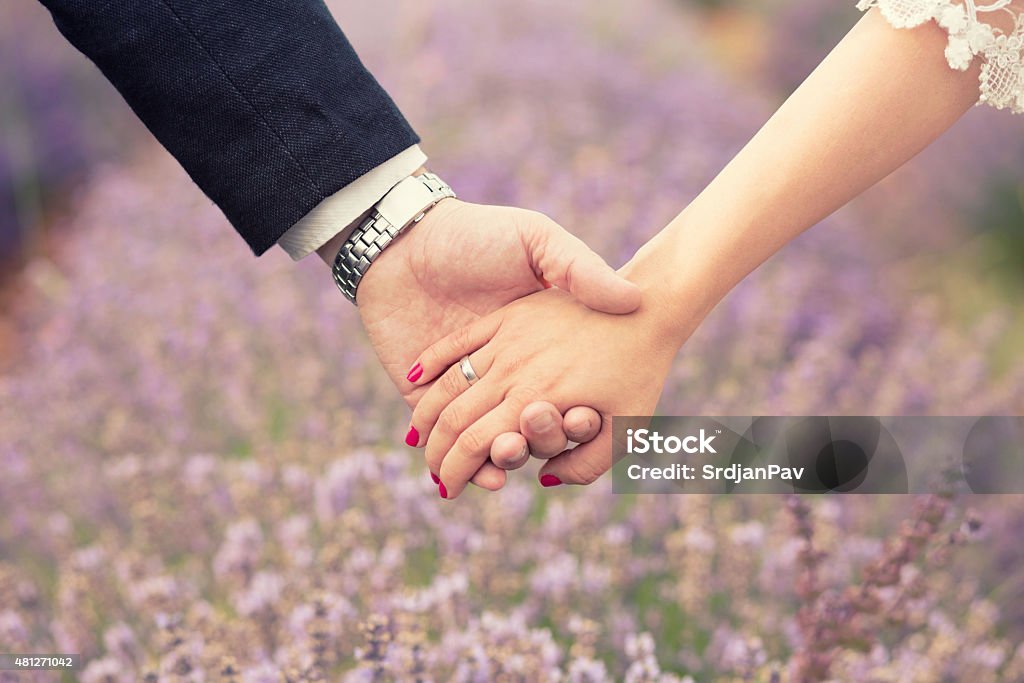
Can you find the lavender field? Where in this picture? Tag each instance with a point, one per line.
(202, 475)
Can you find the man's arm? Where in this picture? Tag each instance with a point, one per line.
(265, 103)
(267, 107)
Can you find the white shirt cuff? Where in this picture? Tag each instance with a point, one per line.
(335, 213)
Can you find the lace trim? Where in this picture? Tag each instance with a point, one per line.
(1002, 70)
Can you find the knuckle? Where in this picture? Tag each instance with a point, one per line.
(433, 461)
(538, 218)
(532, 216)
(450, 421)
(522, 396)
(460, 340)
(431, 357)
(543, 220)
(451, 384)
(533, 225)
(424, 414)
(471, 443)
(513, 364)
(584, 471)
(419, 414)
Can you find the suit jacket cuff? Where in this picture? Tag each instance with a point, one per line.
(338, 211)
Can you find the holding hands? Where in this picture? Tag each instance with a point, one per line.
(544, 346)
(463, 261)
(879, 98)
(504, 364)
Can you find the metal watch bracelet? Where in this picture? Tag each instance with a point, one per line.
(403, 206)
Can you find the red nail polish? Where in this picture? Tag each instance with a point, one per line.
(413, 437)
(549, 480)
(415, 373)
(436, 479)
(441, 489)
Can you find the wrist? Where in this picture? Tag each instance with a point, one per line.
(406, 253)
(330, 248)
(678, 292)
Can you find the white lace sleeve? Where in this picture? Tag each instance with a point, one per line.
(1002, 53)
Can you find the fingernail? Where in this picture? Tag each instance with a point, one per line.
(549, 480)
(542, 421)
(575, 433)
(413, 437)
(435, 478)
(441, 489)
(520, 458)
(415, 373)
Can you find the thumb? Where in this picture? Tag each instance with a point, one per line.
(582, 465)
(566, 262)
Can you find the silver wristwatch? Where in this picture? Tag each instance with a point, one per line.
(404, 205)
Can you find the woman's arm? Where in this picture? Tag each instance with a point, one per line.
(877, 100)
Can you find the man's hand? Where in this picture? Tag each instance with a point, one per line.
(462, 261)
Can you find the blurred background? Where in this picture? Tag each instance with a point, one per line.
(202, 476)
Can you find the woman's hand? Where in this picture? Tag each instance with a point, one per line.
(545, 346)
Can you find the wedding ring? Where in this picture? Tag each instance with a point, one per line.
(467, 371)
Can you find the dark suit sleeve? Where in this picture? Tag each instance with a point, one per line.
(263, 102)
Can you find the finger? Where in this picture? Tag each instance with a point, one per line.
(442, 393)
(489, 477)
(566, 261)
(447, 351)
(509, 451)
(582, 465)
(456, 418)
(472, 446)
(581, 424)
(541, 424)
